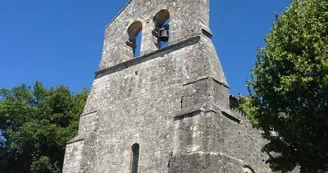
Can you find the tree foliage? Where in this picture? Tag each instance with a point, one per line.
(35, 124)
(288, 93)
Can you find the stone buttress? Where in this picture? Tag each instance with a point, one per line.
(168, 110)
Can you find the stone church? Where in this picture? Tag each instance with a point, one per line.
(163, 105)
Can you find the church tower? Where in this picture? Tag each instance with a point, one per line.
(162, 105)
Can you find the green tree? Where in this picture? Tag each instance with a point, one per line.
(288, 93)
(35, 124)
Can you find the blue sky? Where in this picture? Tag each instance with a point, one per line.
(60, 41)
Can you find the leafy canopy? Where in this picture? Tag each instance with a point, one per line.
(288, 93)
(35, 124)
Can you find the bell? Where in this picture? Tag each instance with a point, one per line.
(163, 34)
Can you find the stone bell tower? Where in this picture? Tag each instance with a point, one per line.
(168, 110)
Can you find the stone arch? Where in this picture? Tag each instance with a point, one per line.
(161, 21)
(161, 16)
(135, 36)
(248, 169)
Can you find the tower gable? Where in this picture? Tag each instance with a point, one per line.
(187, 19)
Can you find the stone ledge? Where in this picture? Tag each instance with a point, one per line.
(218, 154)
(207, 33)
(192, 111)
(146, 57)
(77, 138)
(209, 162)
(231, 116)
(205, 78)
(88, 113)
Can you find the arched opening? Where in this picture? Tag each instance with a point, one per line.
(162, 28)
(135, 38)
(248, 169)
(135, 158)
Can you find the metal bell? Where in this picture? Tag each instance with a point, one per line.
(164, 34)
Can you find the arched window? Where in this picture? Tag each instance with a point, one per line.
(135, 34)
(135, 158)
(162, 28)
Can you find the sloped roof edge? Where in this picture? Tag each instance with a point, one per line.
(119, 13)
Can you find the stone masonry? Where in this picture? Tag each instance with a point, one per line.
(168, 110)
